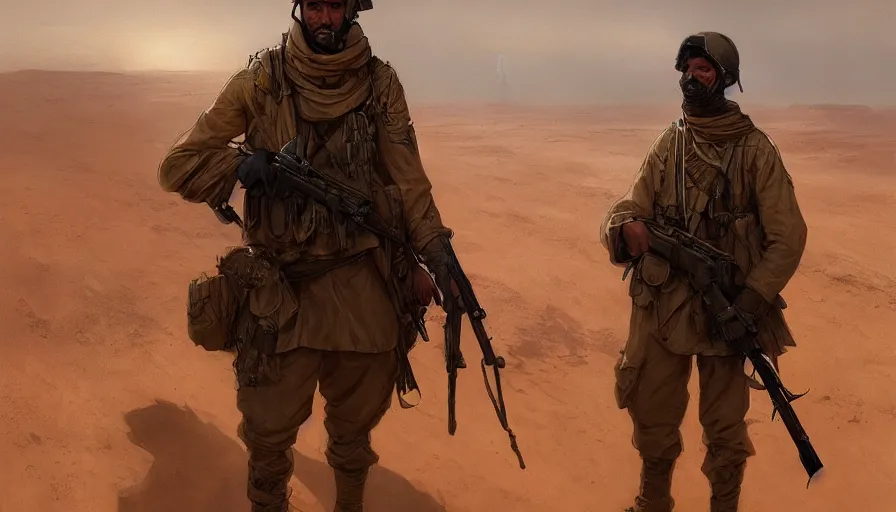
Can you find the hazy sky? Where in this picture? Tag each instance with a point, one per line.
(571, 51)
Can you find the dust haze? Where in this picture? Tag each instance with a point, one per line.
(107, 406)
(557, 51)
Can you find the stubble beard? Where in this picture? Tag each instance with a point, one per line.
(325, 37)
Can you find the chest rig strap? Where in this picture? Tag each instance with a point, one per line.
(682, 218)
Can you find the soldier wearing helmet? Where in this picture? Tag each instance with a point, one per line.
(319, 301)
(714, 174)
(325, 24)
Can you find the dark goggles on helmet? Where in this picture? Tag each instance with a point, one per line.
(687, 50)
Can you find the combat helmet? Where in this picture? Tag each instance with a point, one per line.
(719, 49)
(360, 5)
(352, 7)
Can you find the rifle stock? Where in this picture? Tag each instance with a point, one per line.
(715, 275)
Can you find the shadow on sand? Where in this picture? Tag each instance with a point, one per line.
(197, 469)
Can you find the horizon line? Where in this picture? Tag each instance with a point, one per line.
(483, 101)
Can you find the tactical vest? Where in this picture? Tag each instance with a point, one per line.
(344, 150)
(710, 221)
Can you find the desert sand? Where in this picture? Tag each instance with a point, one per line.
(106, 405)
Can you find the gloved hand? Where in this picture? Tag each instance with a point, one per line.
(256, 170)
(743, 317)
(435, 256)
(749, 301)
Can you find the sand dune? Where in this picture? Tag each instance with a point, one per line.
(107, 406)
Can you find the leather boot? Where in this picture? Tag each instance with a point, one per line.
(725, 483)
(350, 490)
(285, 505)
(266, 496)
(656, 487)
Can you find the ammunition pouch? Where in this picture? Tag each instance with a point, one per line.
(650, 277)
(245, 307)
(212, 304)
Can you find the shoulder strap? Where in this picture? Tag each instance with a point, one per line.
(377, 112)
(270, 77)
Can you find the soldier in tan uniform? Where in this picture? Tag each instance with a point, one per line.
(336, 315)
(717, 176)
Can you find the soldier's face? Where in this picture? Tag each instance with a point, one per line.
(702, 70)
(323, 19)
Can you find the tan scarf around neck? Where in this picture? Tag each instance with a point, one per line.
(710, 139)
(731, 125)
(328, 86)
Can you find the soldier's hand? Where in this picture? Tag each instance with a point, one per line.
(743, 316)
(636, 239)
(256, 169)
(424, 287)
(734, 325)
(435, 257)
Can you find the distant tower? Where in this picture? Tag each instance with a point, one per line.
(503, 92)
